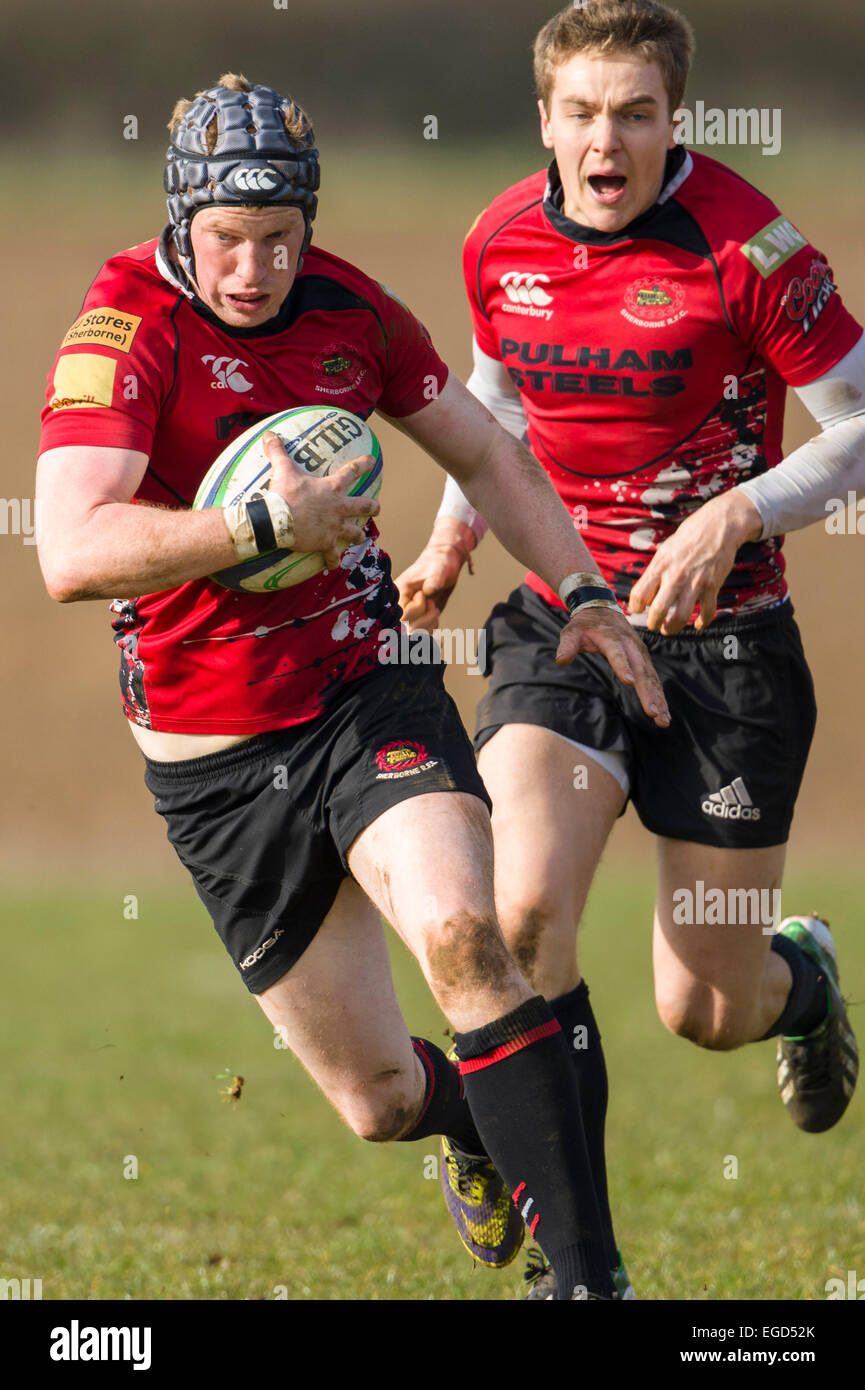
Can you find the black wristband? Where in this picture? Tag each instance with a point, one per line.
(262, 526)
(586, 594)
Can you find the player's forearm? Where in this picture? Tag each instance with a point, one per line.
(801, 489)
(517, 499)
(489, 383)
(456, 508)
(121, 551)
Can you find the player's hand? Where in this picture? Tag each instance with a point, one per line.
(325, 516)
(425, 587)
(688, 569)
(609, 633)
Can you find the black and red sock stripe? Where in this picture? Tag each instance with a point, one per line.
(525, 1099)
(445, 1108)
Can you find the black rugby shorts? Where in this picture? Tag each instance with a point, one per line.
(728, 769)
(264, 827)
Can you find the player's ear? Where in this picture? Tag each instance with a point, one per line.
(546, 133)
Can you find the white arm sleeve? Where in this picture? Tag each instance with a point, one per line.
(493, 387)
(830, 465)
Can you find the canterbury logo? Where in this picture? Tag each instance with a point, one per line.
(225, 369)
(731, 803)
(523, 288)
(256, 180)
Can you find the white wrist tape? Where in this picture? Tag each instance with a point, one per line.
(241, 531)
(283, 521)
(586, 589)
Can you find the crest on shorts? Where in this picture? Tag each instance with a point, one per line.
(403, 758)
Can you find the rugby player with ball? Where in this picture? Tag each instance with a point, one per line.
(638, 313)
(302, 782)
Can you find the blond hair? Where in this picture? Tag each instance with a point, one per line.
(297, 124)
(609, 27)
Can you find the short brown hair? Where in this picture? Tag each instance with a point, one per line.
(294, 118)
(654, 32)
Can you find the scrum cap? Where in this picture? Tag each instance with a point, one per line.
(253, 161)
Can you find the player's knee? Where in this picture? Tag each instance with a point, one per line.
(384, 1109)
(467, 952)
(705, 1019)
(525, 928)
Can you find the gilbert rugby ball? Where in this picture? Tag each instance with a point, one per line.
(319, 439)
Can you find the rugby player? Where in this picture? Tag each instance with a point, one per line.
(638, 313)
(301, 779)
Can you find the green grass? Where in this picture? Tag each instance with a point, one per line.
(114, 1031)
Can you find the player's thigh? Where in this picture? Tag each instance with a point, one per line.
(427, 862)
(714, 914)
(336, 1010)
(553, 809)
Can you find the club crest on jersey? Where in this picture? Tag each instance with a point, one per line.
(654, 302)
(337, 369)
(402, 759)
(227, 373)
(526, 294)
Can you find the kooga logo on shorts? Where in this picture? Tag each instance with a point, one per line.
(731, 803)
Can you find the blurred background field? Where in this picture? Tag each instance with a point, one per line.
(233, 1201)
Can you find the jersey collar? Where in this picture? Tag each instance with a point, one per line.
(677, 168)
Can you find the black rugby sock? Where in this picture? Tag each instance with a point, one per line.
(523, 1093)
(574, 1012)
(808, 1000)
(445, 1109)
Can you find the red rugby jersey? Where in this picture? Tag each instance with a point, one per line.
(148, 367)
(652, 361)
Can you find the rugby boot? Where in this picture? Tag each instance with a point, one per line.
(488, 1223)
(540, 1277)
(817, 1073)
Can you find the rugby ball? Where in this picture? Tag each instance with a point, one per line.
(318, 439)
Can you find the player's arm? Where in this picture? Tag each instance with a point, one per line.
(94, 543)
(689, 568)
(426, 585)
(506, 485)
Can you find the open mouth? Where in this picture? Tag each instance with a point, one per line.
(607, 188)
(247, 301)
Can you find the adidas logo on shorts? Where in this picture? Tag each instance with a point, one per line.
(731, 803)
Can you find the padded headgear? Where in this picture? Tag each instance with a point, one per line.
(254, 161)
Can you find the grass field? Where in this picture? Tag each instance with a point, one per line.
(119, 1027)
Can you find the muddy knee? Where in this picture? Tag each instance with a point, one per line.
(467, 953)
(527, 929)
